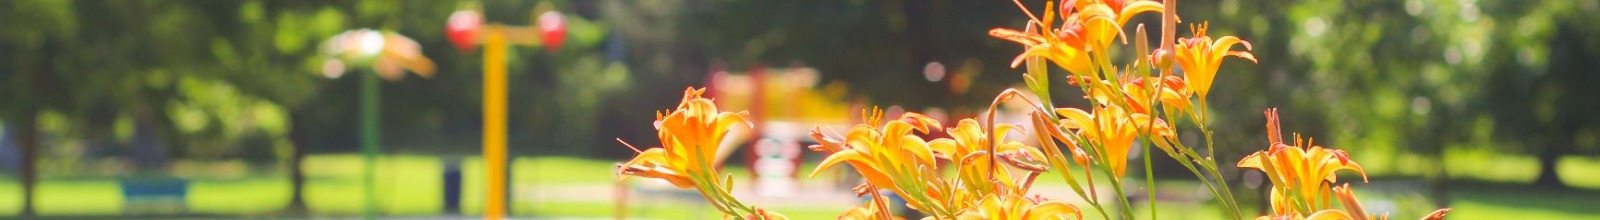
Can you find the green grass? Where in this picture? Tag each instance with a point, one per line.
(1482, 164)
(405, 185)
(223, 196)
(71, 196)
(1475, 200)
(410, 185)
(1469, 200)
(86, 197)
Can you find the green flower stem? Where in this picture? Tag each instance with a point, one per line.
(1116, 184)
(1058, 161)
(1225, 194)
(1209, 186)
(1149, 174)
(1149, 181)
(879, 201)
(1116, 181)
(716, 200)
(713, 190)
(1093, 197)
(1223, 182)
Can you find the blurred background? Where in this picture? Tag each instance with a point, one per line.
(226, 109)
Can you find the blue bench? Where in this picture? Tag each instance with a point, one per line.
(154, 195)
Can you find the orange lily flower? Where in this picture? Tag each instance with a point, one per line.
(1352, 210)
(690, 136)
(968, 145)
(1013, 207)
(1173, 91)
(889, 156)
(697, 129)
(1099, 90)
(652, 164)
(1121, 10)
(1114, 129)
(1301, 175)
(1200, 57)
(1065, 46)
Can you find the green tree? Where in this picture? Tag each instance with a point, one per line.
(194, 73)
(1542, 81)
(1420, 76)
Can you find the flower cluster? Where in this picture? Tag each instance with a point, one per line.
(1303, 175)
(893, 159)
(1131, 103)
(993, 175)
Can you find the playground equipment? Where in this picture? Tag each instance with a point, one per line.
(781, 101)
(466, 29)
(389, 55)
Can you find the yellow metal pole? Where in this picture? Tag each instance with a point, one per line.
(494, 124)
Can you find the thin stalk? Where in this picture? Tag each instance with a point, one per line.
(1149, 181)
(1209, 186)
(732, 205)
(1210, 150)
(1155, 98)
(1112, 78)
(1059, 162)
(1093, 198)
(879, 201)
(1127, 208)
(1093, 193)
(1210, 165)
(1209, 162)
(1189, 155)
(1116, 181)
(1223, 182)
(715, 199)
(1054, 157)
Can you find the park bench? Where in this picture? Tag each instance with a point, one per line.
(154, 195)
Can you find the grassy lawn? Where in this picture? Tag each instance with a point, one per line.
(406, 186)
(1476, 200)
(1481, 164)
(410, 185)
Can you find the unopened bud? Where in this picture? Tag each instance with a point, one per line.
(1163, 59)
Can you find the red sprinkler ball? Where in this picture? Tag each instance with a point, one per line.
(553, 27)
(462, 29)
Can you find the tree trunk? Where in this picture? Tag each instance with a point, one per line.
(29, 143)
(1547, 168)
(1440, 181)
(297, 175)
